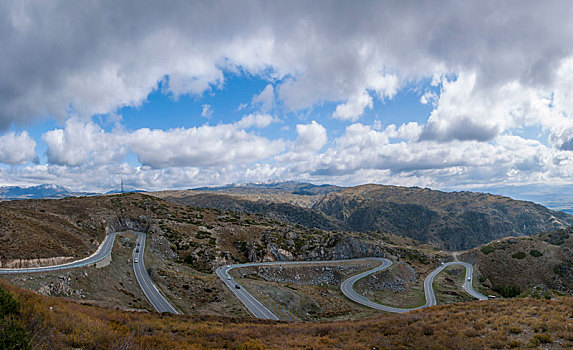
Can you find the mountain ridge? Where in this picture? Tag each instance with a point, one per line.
(423, 214)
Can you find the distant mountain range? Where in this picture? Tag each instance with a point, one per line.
(45, 191)
(39, 191)
(451, 220)
(292, 187)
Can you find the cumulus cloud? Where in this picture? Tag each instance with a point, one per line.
(83, 143)
(17, 148)
(354, 107)
(311, 137)
(202, 146)
(317, 49)
(265, 99)
(255, 120)
(498, 71)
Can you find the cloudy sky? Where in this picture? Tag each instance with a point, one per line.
(179, 94)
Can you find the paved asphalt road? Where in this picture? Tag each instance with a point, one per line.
(348, 290)
(156, 299)
(102, 252)
(251, 303)
(260, 311)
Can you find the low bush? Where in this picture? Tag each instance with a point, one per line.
(488, 249)
(535, 253)
(508, 291)
(13, 335)
(8, 305)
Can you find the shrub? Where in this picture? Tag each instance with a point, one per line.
(519, 255)
(13, 335)
(543, 338)
(508, 291)
(487, 249)
(8, 305)
(203, 234)
(189, 259)
(535, 253)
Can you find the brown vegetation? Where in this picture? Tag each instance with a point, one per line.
(524, 262)
(418, 213)
(58, 324)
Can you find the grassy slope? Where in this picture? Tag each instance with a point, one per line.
(545, 258)
(183, 247)
(56, 323)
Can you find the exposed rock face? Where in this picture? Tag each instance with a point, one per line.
(350, 248)
(61, 287)
(313, 275)
(23, 263)
(394, 279)
(275, 253)
(123, 223)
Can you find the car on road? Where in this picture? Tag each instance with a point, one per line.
(138, 244)
(469, 278)
(237, 286)
(137, 250)
(228, 277)
(135, 260)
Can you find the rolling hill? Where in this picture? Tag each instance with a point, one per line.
(450, 220)
(542, 261)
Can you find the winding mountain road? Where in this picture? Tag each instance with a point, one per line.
(255, 307)
(258, 310)
(157, 300)
(101, 253)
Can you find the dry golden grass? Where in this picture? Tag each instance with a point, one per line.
(492, 324)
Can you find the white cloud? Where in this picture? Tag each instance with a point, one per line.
(265, 99)
(429, 97)
(83, 142)
(315, 50)
(17, 148)
(353, 108)
(87, 144)
(256, 120)
(206, 112)
(510, 75)
(311, 137)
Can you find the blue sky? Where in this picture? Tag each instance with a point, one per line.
(467, 97)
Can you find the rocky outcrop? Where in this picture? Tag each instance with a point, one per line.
(123, 223)
(24, 263)
(306, 275)
(350, 248)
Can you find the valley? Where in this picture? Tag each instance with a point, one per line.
(298, 273)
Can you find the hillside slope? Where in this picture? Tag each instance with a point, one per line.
(49, 323)
(184, 246)
(450, 220)
(544, 260)
(453, 220)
